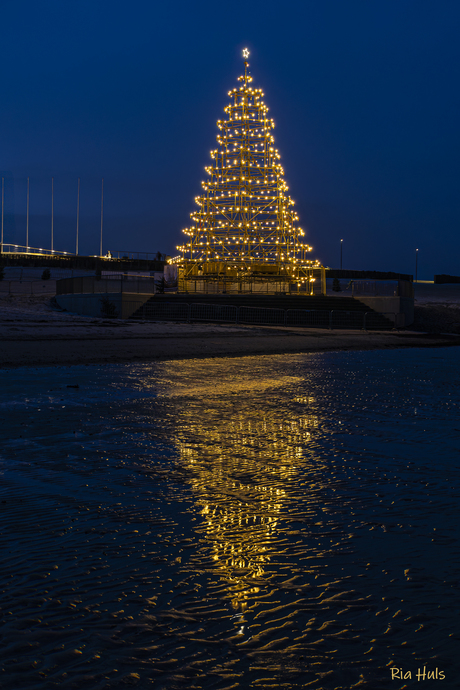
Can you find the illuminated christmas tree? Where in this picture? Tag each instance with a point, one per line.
(245, 225)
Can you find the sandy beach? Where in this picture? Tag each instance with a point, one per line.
(34, 333)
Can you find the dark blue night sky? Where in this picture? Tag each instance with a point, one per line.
(364, 93)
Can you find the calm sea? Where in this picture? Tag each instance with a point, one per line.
(257, 522)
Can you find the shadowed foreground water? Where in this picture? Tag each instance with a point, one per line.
(271, 522)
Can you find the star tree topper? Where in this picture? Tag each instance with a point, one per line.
(245, 53)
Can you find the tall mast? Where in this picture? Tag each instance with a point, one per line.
(102, 213)
(52, 212)
(78, 213)
(27, 222)
(3, 199)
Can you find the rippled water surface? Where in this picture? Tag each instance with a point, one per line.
(260, 522)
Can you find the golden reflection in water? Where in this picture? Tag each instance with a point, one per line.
(243, 457)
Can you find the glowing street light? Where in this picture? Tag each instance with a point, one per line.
(341, 248)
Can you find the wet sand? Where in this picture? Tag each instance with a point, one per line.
(33, 333)
(255, 522)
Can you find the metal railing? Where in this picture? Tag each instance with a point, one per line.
(163, 312)
(21, 249)
(22, 274)
(256, 285)
(370, 288)
(213, 312)
(28, 287)
(308, 318)
(116, 254)
(94, 285)
(146, 256)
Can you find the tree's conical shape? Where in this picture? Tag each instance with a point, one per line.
(245, 219)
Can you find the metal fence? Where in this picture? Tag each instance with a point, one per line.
(370, 288)
(21, 249)
(163, 312)
(28, 287)
(308, 318)
(146, 256)
(256, 285)
(93, 285)
(213, 312)
(116, 254)
(27, 273)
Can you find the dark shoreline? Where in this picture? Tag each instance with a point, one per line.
(33, 334)
(32, 352)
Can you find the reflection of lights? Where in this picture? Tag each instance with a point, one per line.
(241, 468)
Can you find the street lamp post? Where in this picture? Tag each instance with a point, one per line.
(416, 264)
(341, 248)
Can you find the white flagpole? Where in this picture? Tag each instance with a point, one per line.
(52, 212)
(27, 223)
(102, 213)
(78, 212)
(3, 198)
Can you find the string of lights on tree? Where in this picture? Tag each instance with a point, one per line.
(245, 217)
